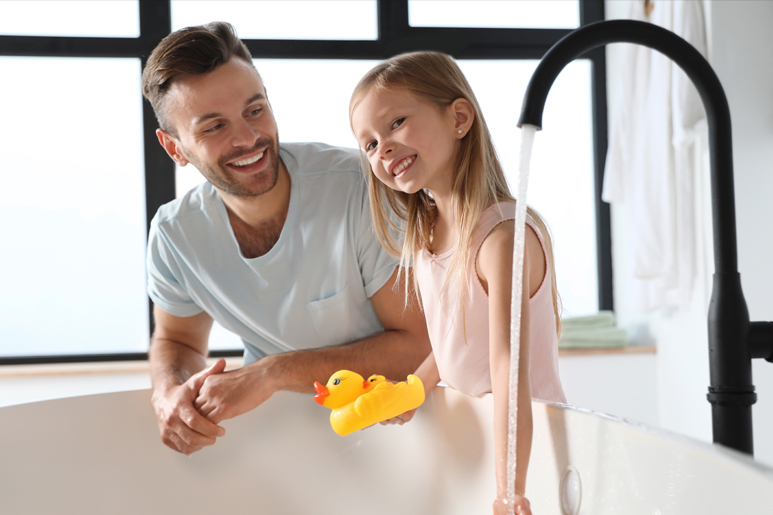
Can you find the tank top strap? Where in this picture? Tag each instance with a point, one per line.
(533, 224)
(494, 215)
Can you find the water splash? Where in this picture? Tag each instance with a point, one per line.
(522, 182)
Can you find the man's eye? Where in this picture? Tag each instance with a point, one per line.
(397, 123)
(214, 128)
(256, 111)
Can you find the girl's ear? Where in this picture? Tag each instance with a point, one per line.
(463, 115)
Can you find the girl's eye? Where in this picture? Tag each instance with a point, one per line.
(397, 123)
(370, 146)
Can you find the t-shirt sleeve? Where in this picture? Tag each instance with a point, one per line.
(165, 279)
(376, 265)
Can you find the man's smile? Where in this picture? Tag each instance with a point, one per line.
(249, 163)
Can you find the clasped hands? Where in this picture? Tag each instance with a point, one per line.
(189, 414)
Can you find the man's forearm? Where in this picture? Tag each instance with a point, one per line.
(177, 348)
(392, 353)
(172, 363)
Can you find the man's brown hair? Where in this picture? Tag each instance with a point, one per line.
(190, 51)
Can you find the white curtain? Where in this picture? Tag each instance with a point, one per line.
(651, 163)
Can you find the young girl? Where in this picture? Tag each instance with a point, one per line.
(426, 142)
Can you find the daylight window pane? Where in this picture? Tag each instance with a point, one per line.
(89, 18)
(280, 19)
(561, 182)
(537, 14)
(72, 216)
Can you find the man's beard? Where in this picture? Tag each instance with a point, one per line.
(227, 180)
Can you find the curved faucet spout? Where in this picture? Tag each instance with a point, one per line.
(731, 393)
(594, 35)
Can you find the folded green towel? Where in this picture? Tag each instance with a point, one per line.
(593, 338)
(600, 319)
(591, 331)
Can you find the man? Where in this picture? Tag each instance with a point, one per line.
(277, 247)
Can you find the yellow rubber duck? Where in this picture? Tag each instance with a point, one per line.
(357, 403)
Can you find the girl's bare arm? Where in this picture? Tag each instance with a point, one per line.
(494, 265)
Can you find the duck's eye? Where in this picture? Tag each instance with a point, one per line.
(372, 379)
(337, 380)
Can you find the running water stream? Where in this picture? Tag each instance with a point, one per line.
(522, 182)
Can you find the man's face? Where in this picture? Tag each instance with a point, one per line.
(226, 128)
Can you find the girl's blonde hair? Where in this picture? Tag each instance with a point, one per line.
(478, 181)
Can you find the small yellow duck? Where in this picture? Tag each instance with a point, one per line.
(357, 403)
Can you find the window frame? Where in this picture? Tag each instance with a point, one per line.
(395, 36)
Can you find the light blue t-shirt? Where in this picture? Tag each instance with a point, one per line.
(312, 289)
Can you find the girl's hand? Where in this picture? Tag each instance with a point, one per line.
(429, 375)
(522, 506)
(399, 419)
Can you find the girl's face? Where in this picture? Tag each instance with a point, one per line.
(410, 143)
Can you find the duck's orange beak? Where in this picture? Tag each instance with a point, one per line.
(322, 392)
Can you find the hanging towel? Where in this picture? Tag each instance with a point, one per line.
(651, 160)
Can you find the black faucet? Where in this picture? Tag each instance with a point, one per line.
(733, 339)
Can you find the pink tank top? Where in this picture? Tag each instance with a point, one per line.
(465, 366)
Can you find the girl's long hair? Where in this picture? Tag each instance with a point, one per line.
(478, 181)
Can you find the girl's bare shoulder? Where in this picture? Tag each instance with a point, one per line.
(495, 257)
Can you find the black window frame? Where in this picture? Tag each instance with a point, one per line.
(395, 36)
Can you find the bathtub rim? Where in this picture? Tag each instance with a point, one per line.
(725, 453)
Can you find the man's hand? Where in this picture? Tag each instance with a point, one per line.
(233, 393)
(182, 428)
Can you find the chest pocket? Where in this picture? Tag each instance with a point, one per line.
(345, 317)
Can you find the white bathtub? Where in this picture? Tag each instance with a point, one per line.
(101, 454)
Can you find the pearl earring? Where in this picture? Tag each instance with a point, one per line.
(459, 131)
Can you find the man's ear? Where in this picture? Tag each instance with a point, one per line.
(463, 115)
(172, 147)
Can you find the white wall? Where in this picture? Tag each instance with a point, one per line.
(619, 384)
(740, 42)
(21, 388)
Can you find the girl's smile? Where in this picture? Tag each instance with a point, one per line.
(398, 169)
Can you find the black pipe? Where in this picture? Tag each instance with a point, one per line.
(731, 393)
